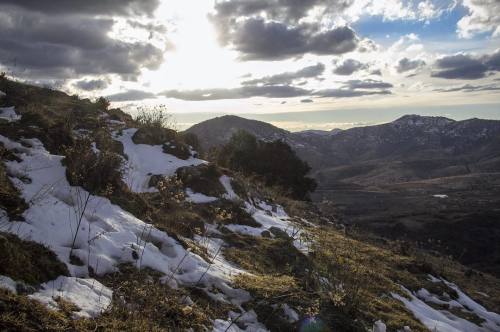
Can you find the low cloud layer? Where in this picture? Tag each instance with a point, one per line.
(352, 88)
(289, 77)
(131, 95)
(91, 85)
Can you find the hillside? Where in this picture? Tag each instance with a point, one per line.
(399, 171)
(113, 223)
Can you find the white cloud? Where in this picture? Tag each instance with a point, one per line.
(484, 16)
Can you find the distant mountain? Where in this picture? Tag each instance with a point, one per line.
(412, 147)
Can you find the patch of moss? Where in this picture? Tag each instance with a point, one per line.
(28, 261)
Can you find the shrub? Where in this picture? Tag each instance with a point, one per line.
(102, 103)
(275, 162)
(154, 118)
(98, 173)
(193, 141)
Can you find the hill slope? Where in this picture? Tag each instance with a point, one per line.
(110, 223)
(418, 178)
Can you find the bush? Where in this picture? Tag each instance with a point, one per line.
(154, 118)
(99, 173)
(275, 162)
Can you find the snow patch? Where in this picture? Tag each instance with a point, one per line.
(269, 216)
(8, 284)
(147, 160)
(379, 326)
(9, 114)
(89, 295)
(443, 320)
(103, 235)
(226, 183)
(198, 198)
(440, 196)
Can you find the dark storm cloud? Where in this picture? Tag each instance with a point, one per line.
(92, 7)
(91, 85)
(348, 67)
(282, 10)
(406, 64)
(35, 45)
(279, 35)
(131, 95)
(465, 66)
(257, 39)
(289, 77)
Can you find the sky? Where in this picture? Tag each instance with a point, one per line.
(299, 64)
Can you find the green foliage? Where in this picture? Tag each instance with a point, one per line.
(275, 162)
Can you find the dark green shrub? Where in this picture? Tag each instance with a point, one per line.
(275, 162)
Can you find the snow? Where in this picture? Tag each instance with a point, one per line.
(443, 320)
(292, 315)
(147, 160)
(271, 216)
(89, 295)
(379, 326)
(198, 198)
(2, 94)
(9, 114)
(8, 284)
(249, 318)
(226, 183)
(105, 236)
(440, 196)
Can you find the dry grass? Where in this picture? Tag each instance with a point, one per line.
(28, 261)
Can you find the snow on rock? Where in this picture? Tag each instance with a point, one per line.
(440, 196)
(271, 216)
(9, 114)
(443, 320)
(2, 94)
(146, 160)
(89, 295)
(8, 284)
(198, 198)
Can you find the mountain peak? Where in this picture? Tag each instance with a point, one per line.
(420, 120)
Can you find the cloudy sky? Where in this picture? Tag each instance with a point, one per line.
(297, 63)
